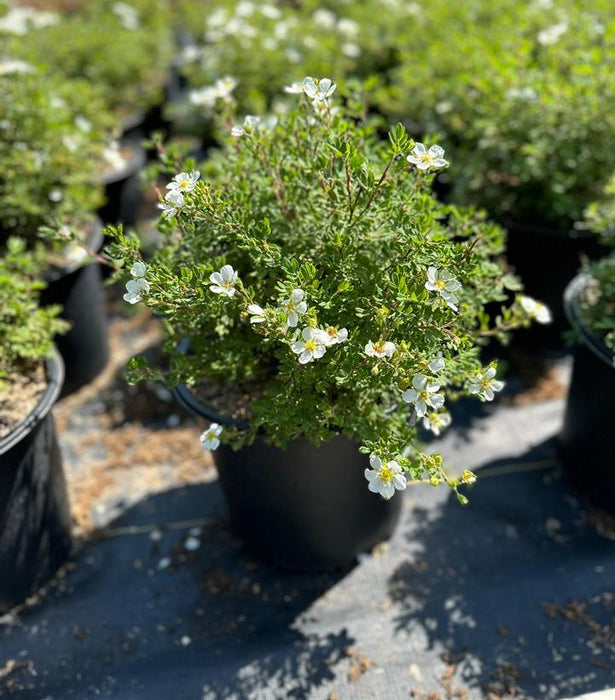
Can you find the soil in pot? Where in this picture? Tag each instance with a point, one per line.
(35, 523)
(79, 289)
(587, 439)
(546, 259)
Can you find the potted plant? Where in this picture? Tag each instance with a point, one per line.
(51, 153)
(523, 98)
(34, 514)
(123, 48)
(587, 444)
(319, 303)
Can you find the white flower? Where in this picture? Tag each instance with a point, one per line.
(127, 14)
(83, 124)
(445, 284)
(15, 66)
(250, 125)
(184, 182)
(385, 478)
(425, 159)
(351, 50)
(424, 393)
(437, 364)
(210, 438)
(348, 26)
(336, 336)
(319, 90)
(536, 309)
(134, 289)
(436, 422)
(380, 349)
(485, 385)
(294, 307)
(257, 313)
(525, 93)
(245, 8)
(294, 88)
(138, 269)
(312, 347)
(190, 54)
(324, 18)
(224, 282)
(551, 35)
(203, 97)
(173, 202)
(19, 20)
(224, 87)
(270, 11)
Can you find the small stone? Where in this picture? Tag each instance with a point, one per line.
(155, 535)
(185, 640)
(164, 563)
(192, 543)
(195, 531)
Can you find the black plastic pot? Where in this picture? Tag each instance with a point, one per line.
(302, 508)
(123, 189)
(546, 259)
(35, 533)
(79, 289)
(587, 439)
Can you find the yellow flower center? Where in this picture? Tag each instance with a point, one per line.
(332, 331)
(486, 383)
(379, 347)
(310, 345)
(424, 395)
(184, 183)
(440, 284)
(386, 474)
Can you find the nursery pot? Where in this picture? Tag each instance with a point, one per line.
(546, 259)
(78, 288)
(123, 189)
(302, 508)
(587, 439)
(35, 538)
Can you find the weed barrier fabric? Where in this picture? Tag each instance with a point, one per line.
(511, 593)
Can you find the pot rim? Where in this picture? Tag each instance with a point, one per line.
(189, 400)
(94, 241)
(554, 232)
(54, 367)
(571, 308)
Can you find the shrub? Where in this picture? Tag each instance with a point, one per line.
(523, 96)
(314, 272)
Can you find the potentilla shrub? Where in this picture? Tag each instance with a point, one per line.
(523, 95)
(261, 44)
(26, 330)
(123, 48)
(53, 136)
(313, 271)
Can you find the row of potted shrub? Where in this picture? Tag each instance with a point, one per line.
(307, 297)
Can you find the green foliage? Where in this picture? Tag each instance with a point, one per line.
(319, 203)
(26, 331)
(597, 300)
(522, 92)
(53, 133)
(266, 46)
(126, 55)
